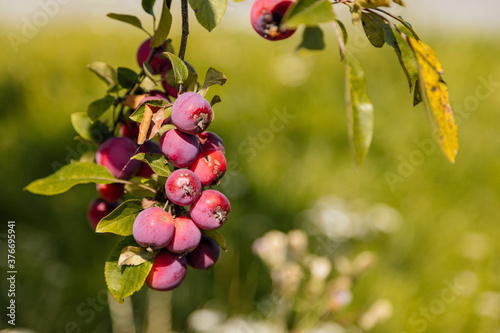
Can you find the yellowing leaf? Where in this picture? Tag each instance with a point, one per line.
(374, 3)
(434, 92)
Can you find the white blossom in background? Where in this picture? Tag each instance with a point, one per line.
(287, 278)
(205, 319)
(378, 313)
(297, 242)
(308, 288)
(488, 304)
(320, 267)
(272, 248)
(340, 221)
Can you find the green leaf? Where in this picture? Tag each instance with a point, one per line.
(345, 36)
(82, 124)
(213, 77)
(140, 191)
(98, 107)
(163, 29)
(123, 281)
(216, 237)
(127, 77)
(179, 67)
(157, 162)
(359, 109)
(403, 51)
(135, 256)
(69, 176)
(216, 99)
(130, 19)
(88, 130)
(148, 5)
(312, 39)
(139, 112)
(209, 12)
(148, 72)
(308, 12)
(372, 25)
(104, 72)
(434, 93)
(121, 220)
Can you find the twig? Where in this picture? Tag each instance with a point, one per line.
(185, 29)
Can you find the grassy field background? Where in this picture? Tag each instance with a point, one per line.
(450, 213)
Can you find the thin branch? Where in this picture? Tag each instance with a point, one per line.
(185, 29)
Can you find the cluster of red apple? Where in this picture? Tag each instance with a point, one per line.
(198, 162)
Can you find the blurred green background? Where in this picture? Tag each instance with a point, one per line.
(450, 213)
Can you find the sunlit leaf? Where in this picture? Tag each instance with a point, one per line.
(130, 19)
(69, 176)
(373, 27)
(157, 162)
(179, 67)
(123, 281)
(308, 12)
(434, 93)
(104, 72)
(359, 108)
(148, 5)
(163, 29)
(127, 77)
(403, 50)
(134, 256)
(121, 220)
(312, 39)
(98, 107)
(373, 3)
(209, 12)
(213, 77)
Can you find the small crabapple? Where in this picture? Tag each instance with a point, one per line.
(211, 210)
(168, 82)
(180, 148)
(186, 236)
(205, 255)
(266, 16)
(115, 154)
(168, 271)
(129, 129)
(209, 166)
(191, 113)
(183, 187)
(158, 64)
(210, 140)
(153, 228)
